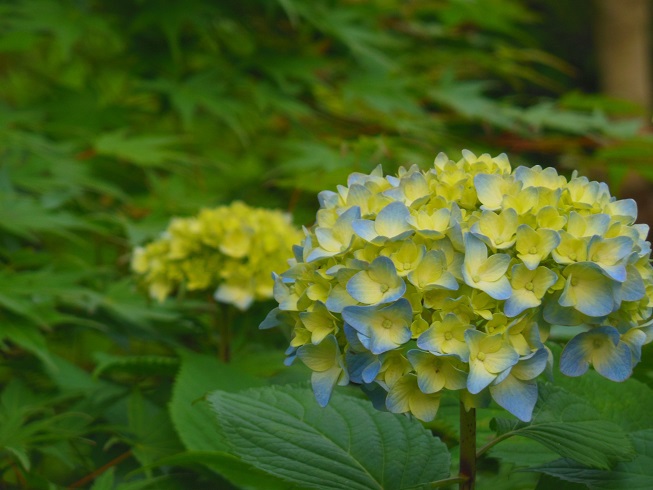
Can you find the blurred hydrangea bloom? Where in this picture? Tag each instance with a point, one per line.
(231, 250)
(450, 279)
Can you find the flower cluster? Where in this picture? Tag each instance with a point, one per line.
(450, 279)
(232, 248)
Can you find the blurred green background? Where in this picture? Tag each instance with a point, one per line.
(117, 115)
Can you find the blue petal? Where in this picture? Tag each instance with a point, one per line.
(371, 371)
(573, 360)
(271, 320)
(618, 366)
(364, 228)
(392, 220)
(633, 288)
(518, 397)
(499, 290)
(478, 377)
(338, 299)
(359, 364)
(353, 340)
(323, 384)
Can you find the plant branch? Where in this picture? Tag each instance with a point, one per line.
(493, 442)
(467, 474)
(95, 473)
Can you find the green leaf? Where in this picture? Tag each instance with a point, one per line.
(628, 404)
(150, 426)
(142, 150)
(29, 338)
(142, 365)
(240, 473)
(633, 475)
(192, 417)
(347, 445)
(104, 481)
(569, 426)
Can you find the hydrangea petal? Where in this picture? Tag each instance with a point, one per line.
(392, 220)
(379, 284)
(519, 301)
(324, 382)
(387, 327)
(516, 396)
(587, 290)
(601, 347)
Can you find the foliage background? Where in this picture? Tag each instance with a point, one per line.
(116, 116)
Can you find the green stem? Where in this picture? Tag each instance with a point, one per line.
(467, 472)
(225, 334)
(492, 443)
(222, 325)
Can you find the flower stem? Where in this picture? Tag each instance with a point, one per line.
(225, 334)
(222, 325)
(467, 448)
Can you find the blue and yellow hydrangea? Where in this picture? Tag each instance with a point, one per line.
(451, 278)
(229, 251)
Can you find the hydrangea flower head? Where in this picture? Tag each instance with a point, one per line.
(450, 279)
(229, 250)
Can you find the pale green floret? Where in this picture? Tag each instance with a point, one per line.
(406, 256)
(587, 226)
(550, 217)
(588, 290)
(431, 273)
(522, 202)
(327, 364)
(535, 246)
(380, 283)
(528, 288)
(405, 396)
(610, 255)
(413, 189)
(366, 200)
(437, 372)
(486, 274)
(337, 239)
(319, 322)
(446, 337)
(432, 225)
(499, 229)
(491, 189)
(538, 177)
(489, 355)
(570, 249)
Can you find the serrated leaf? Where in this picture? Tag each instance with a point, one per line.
(628, 404)
(633, 475)
(569, 426)
(347, 445)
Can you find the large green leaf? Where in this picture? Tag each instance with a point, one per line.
(569, 426)
(195, 422)
(632, 475)
(628, 404)
(347, 445)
